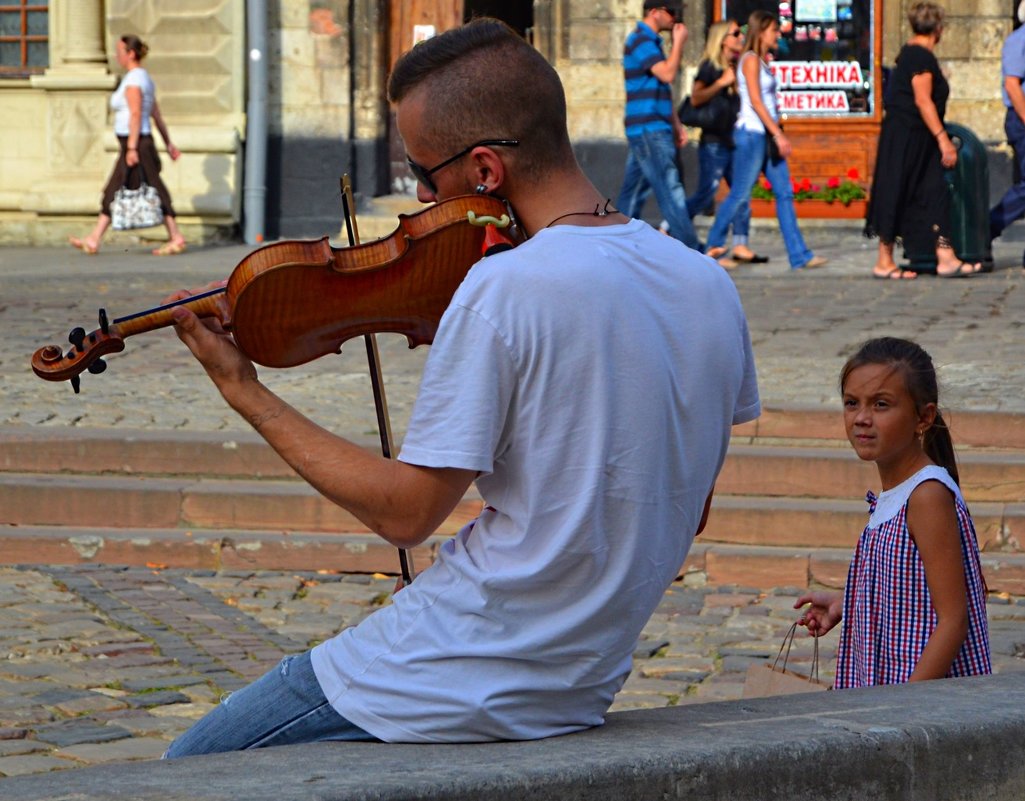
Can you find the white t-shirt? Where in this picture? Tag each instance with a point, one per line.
(591, 376)
(140, 79)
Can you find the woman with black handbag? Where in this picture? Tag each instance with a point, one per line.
(761, 145)
(712, 107)
(134, 103)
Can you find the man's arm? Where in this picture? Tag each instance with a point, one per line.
(402, 503)
(666, 70)
(1012, 84)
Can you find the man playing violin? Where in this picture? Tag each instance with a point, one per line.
(586, 380)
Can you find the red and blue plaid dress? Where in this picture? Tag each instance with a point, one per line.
(888, 614)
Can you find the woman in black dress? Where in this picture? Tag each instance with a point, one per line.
(910, 199)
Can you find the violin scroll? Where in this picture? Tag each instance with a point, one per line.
(51, 363)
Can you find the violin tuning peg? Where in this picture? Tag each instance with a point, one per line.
(76, 383)
(104, 323)
(97, 367)
(77, 337)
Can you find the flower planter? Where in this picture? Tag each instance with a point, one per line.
(813, 209)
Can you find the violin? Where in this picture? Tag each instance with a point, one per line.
(288, 303)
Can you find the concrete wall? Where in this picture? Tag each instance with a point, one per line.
(959, 739)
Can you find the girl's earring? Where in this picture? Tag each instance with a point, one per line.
(481, 189)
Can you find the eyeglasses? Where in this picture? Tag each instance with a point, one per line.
(423, 174)
(735, 33)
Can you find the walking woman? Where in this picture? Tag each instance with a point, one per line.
(134, 103)
(756, 124)
(909, 194)
(716, 86)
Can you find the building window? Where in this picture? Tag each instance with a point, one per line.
(24, 39)
(824, 58)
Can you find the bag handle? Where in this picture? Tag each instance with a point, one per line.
(788, 642)
(142, 171)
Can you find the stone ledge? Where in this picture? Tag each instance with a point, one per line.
(907, 742)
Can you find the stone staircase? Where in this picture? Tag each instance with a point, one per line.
(787, 509)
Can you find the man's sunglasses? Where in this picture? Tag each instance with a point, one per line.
(423, 174)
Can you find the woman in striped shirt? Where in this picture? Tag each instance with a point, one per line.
(914, 607)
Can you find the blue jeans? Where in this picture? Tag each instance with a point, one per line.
(1012, 205)
(748, 161)
(283, 707)
(651, 167)
(715, 162)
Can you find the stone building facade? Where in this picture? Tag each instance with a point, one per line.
(327, 65)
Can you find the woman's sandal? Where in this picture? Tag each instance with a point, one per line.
(895, 274)
(85, 247)
(960, 271)
(716, 252)
(170, 249)
(754, 258)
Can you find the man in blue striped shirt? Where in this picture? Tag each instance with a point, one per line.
(652, 130)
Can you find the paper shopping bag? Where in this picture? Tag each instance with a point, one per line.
(777, 679)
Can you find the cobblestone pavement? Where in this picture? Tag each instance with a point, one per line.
(101, 664)
(802, 326)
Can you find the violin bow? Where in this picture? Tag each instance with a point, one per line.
(374, 364)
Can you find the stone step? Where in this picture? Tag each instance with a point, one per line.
(755, 465)
(785, 510)
(836, 472)
(836, 523)
(207, 549)
(969, 429)
(709, 562)
(136, 502)
(155, 453)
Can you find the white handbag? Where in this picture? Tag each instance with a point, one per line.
(136, 208)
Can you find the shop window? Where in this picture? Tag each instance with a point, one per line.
(823, 64)
(24, 37)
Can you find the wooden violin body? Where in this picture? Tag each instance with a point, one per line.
(290, 302)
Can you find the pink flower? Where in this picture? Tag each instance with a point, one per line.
(766, 185)
(834, 182)
(806, 184)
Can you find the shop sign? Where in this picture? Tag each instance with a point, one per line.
(815, 87)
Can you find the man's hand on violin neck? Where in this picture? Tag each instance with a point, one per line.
(222, 360)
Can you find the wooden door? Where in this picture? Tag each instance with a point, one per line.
(409, 19)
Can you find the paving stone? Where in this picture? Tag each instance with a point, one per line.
(136, 748)
(8, 733)
(15, 747)
(192, 710)
(32, 763)
(94, 702)
(161, 682)
(158, 698)
(73, 732)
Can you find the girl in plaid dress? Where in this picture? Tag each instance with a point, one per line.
(914, 607)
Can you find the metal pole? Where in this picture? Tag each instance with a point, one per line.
(255, 187)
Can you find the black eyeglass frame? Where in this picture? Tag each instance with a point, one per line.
(423, 175)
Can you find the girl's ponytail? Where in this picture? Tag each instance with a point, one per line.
(939, 447)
